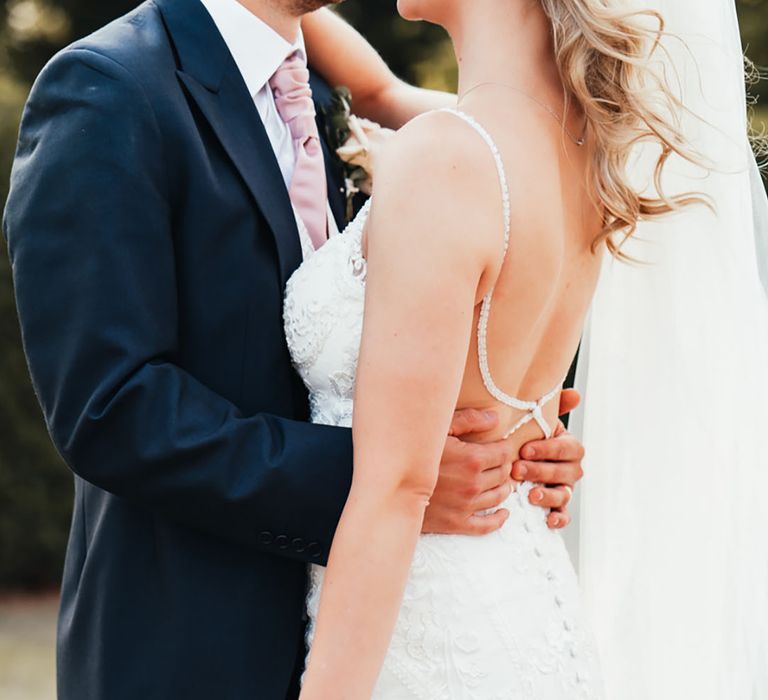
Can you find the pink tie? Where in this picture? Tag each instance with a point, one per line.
(309, 188)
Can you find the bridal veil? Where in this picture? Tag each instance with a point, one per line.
(671, 539)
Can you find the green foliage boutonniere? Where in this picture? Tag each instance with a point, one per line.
(355, 141)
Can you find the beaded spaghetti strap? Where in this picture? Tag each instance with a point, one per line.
(533, 409)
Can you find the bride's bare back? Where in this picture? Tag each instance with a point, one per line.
(541, 289)
(546, 282)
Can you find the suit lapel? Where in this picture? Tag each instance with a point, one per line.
(233, 117)
(211, 79)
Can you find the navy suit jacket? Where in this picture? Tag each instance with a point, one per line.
(151, 237)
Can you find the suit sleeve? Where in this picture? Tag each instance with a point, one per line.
(89, 229)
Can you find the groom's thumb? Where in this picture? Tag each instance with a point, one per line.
(569, 400)
(469, 420)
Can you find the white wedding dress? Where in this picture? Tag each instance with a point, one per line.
(491, 618)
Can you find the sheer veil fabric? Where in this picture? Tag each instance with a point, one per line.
(671, 540)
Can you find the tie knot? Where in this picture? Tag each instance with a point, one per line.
(293, 97)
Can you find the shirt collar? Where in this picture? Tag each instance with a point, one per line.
(258, 49)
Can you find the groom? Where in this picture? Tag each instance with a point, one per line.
(151, 235)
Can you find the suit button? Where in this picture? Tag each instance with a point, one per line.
(266, 538)
(314, 550)
(298, 544)
(281, 541)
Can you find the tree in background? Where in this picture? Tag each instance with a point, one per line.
(416, 51)
(33, 30)
(754, 23)
(35, 488)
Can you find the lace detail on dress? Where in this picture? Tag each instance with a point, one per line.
(323, 322)
(493, 618)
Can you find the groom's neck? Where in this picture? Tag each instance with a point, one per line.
(277, 15)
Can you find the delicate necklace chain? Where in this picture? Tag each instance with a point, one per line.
(578, 140)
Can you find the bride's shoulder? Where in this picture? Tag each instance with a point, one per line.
(436, 178)
(431, 141)
(436, 158)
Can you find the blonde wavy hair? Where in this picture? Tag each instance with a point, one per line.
(603, 54)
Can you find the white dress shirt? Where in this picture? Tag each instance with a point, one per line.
(258, 51)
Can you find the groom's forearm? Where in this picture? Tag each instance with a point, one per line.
(93, 255)
(168, 444)
(343, 57)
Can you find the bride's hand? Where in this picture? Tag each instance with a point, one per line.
(555, 462)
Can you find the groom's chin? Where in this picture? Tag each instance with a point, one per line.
(303, 7)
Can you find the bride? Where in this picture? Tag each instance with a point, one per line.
(476, 264)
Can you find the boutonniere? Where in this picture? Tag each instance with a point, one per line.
(356, 142)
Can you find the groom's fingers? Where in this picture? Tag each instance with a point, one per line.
(569, 400)
(493, 498)
(563, 448)
(558, 519)
(469, 420)
(468, 472)
(485, 524)
(490, 455)
(559, 473)
(490, 479)
(550, 497)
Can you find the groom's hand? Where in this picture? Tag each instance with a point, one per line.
(473, 478)
(476, 477)
(556, 463)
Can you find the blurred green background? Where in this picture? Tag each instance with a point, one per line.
(35, 487)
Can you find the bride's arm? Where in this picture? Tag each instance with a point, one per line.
(422, 287)
(344, 57)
